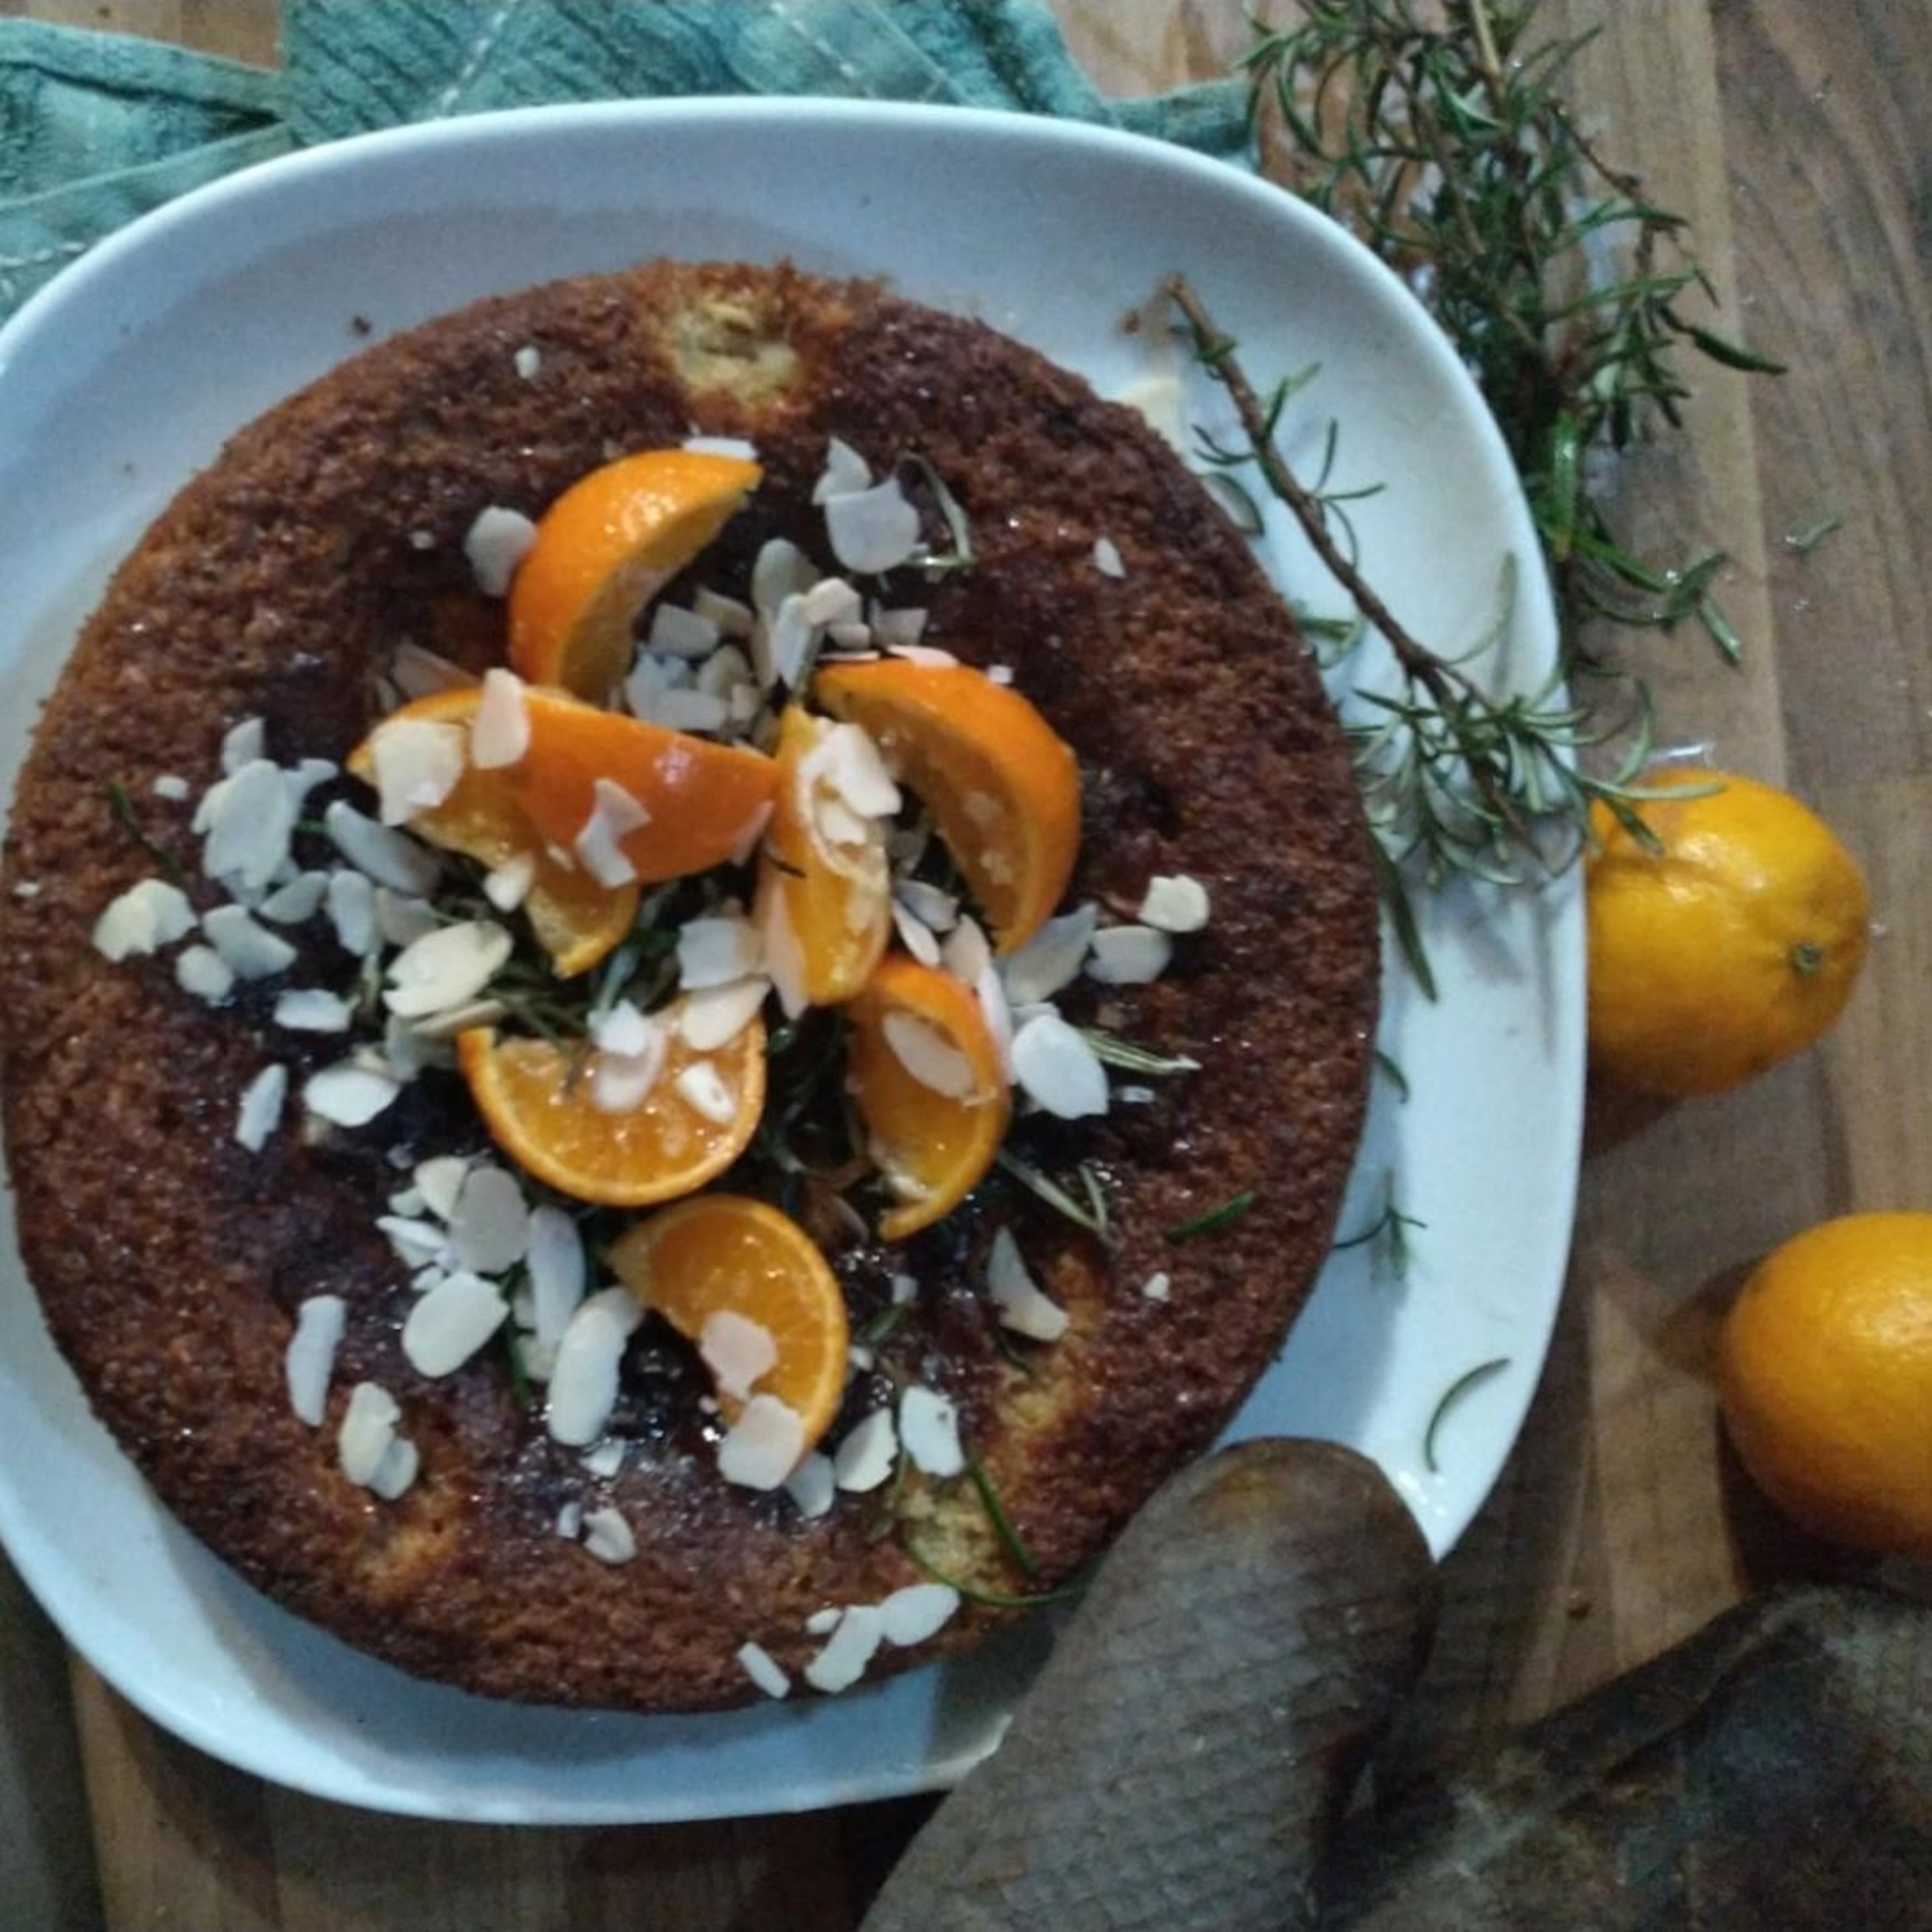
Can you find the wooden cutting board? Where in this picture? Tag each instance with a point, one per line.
(1794, 137)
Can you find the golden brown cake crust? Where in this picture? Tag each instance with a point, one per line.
(170, 1261)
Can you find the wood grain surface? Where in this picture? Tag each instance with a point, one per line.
(1796, 138)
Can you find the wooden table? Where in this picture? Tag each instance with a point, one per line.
(1793, 137)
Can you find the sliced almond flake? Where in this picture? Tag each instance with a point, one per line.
(204, 975)
(706, 1091)
(1057, 1068)
(1051, 959)
(733, 619)
(598, 846)
(847, 759)
(242, 744)
(967, 952)
(506, 887)
(451, 1322)
(865, 1458)
(445, 968)
(715, 951)
(1161, 403)
(895, 629)
(833, 601)
(438, 1028)
(303, 778)
(929, 1057)
(416, 1243)
(745, 705)
(389, 857)
(681, 633)
(310, 1359)
(1157, 1287)
(759, 1665)
(917, 1611)
(632, 1048)
(260, 1112)
(872, 531)
(1020, 1303)
(785, 957)
(735, 446)
(175, 790)
(490, 1230)
(440, 1179)
(26, 889)
(929, 1429)
(851, 641)
(250, 818)
(624, 1029)
(1135, 1095)
(408, 1202)
(605, 1460)
(845, 474)
(401, 919)
(369, 1426)
(852, 1647)
(495, 544)
(1128, 955)
(351, 899)
(738, 1352)
(787, 635)
(250, 951)
(312, 1009)
(557, 1272)
(570, 1520)
(812, 1487)
(917, 934)
(929, 655)
(425, 1279)
(499, 733)
(300, 899)
(583, 1381)
(348, 1095)
(933, 908)
(717, 1015)
(998, 1014)
(904, 1290)
(527, 361)
(1179, 904)
(762, 1447)
(148, 916)
(822, 1623)
(418, 762)
(608, 1536)
(999, 673)
(724, 671)
(688, 711)
(418, 672)
(780, 570)
(397, 1471)
(1107, 558)
(859, 1360)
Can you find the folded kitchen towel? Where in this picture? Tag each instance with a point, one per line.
(96, 128)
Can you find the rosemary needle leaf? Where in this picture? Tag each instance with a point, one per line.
(1451, 1396)
(1733, 355)
(121, 809)
(993, 1600)
(1010, 1540)
(1215, 1219)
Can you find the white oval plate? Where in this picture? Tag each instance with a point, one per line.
(125, 376)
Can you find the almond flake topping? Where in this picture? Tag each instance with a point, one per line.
(1176, 904)
(929, 1428)
(491, 1229)
(1128, 955)
(608, 1536)
(845, 474)
(583, 1382)
(507, 886)
(499, 733)
(919, 1611)
(715, 951)
(557, 1272)
(495, 544)
(681, 633)
(242, 744)
(418, 762)
(448, 968)
(632, 1047)
(761, 1667)
(451, 1322)
(865, 1458)
(706, 1092)
(1051, 959)
(1107, 558)
(872, 531)
(707, 1020)
(202, 973)
(351, 900)
(737, 1351)
(349, 1094)
(812, 1487)
(249, 817)
(418, 673)
(312, 1009)
(300, 899)
(370, 1451)
(176, 790)
(146, 917)
(614, 814)
(310, 1360)
(1017, 1296)
(931, 1059)
(1057, 1068)
(250, 951)
(852, 1646)
(260, 1112)
(527, 361)
(389, 857)
(762, 1447)
(1157, 1287)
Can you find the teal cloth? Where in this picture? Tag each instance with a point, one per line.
(96, 128)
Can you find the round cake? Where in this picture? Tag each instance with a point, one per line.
(1023, 1371)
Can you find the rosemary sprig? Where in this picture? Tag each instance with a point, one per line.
(121, 809)
(1111, 1050)
(1470, 1379)
(1389, 1231)
(993, 1600)
(1091, 1214)
(1010, 1539)
(1215, 1219)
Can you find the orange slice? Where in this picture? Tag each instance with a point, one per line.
(926, 1074)
(577, 921)
(726, 1253)
(701, 802)
(1003, 786)
(699, 1114)
(836, 890)
(604, 549)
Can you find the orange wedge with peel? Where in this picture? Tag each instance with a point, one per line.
(538, 1099)
(1003, 786)
(701, 802)
(576, 920)
(726, 1253)
(827, 865)
(604, 549)
(925, 1075)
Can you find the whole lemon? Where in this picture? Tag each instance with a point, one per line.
(1825, 1380)
(1734, 944)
